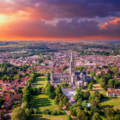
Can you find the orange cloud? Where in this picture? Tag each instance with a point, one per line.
(115, 21)
(29, 29)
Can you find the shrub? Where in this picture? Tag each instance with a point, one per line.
(69, 117)
(46, 111)
(15, 106)
(56, 100)
(110, 96)
(54, 112)
(28, 112)
(58, 112)
(31, 110)
(35, 110)
(51, 95)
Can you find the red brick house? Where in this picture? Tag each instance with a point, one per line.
(113, 92)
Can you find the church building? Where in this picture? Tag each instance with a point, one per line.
(74, 78)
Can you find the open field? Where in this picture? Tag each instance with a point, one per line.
(45, 117)
(40, 82)
(113, 103)
(42, 102)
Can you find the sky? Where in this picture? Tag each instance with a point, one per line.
(59, 20)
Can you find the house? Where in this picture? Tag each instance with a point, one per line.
(118, 78)
(8, 98)
(1, 81)
(17, 96)
(7, 105)
(114, 92)
(99, 72)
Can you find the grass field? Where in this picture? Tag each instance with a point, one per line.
(113, 103)
(40, 82)
(45, 117)
(42, 102)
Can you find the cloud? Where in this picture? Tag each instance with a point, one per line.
(73, 18)
(63, 29)
(52, 9)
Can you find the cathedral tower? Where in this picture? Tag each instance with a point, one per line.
(72, 67)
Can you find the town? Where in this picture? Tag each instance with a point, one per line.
(59, 80)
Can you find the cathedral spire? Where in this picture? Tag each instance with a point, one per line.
(71, 56)
(72, 67)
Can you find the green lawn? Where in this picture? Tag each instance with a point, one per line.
(42, 102)
(113, 103)
(40, 82)
(45, 117)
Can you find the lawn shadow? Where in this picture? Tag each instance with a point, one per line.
(36, 84)
(40, 102)
(38, 117)
(105, 99)
(105, 106)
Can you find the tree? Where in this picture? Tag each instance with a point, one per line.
(18, 114)
(25, 104)
(56, 100)
(64, 85)
(19, 91)
(90, 86)
(84, 104)
(92, 73)
(60, 105)
(116, 83)
(58, 90)
(43, 90)
(67, 106)
(4, 77)
(69, 117)
(54, 112)
(81, 115)
(109, 76)
(78, 90)
(35, 110)
(114, 70)
(28, 112)
(48, 89)
(78, 96)
(97, 94)
(105, 88)
(41, 56)
(64, 100)
(109, 112)
(86, 95)
(96, 116)
(46, 111)
(25, 74)
(79, 102)
(64, 68)
(97, 77)
(51, 95)
(111, 83)
(117, 117)
(110, 96)
(95, 104)
(48, 76)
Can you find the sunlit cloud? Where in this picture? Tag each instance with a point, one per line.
(59, 19)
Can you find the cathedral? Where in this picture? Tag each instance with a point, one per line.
(74, 78)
